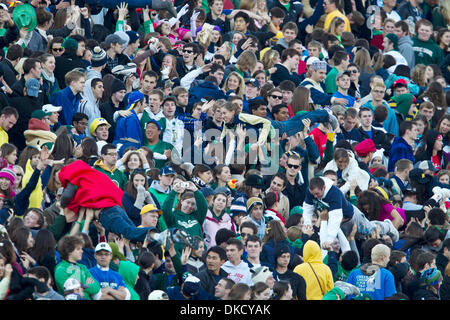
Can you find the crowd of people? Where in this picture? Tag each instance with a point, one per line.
(225, 150)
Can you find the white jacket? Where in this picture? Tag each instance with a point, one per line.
(352, 171)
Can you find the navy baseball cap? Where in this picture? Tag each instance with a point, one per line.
(165, 171)
(155, 122)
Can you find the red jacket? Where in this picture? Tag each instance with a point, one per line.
(95, 189)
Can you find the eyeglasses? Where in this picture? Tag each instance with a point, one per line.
(277, 97)
(58, 49)
(293, 166)
(187, 51)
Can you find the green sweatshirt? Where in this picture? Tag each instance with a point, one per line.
(65, 270)
(115, 174)
(129, 272)
(427, 52)
(193, 222)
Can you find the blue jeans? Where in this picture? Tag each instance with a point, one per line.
(115, 220)
(295, 125)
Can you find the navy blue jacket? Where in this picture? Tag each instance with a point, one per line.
(400, 149)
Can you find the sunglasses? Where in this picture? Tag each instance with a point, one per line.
(353, 71)
(293, 166)
(187, 51)
(58, 49)
(243, 234)
(277, 97)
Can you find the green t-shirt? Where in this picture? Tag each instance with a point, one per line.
(330, 81)
(160, 147)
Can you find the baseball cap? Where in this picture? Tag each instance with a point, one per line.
(401, 82)
(158, 295)
(72, 284)
(165, 171)
(342, 73)
(113, 38)
(51, 108)
(426, 165)
(253, 201)
(311, 60)
(134, 97)
(253, 82)
(96, 123)
(103, 246)
(191, 285)
(33, 87)
(40, 114)
(150, 208)
(133, 35)
(155, 122)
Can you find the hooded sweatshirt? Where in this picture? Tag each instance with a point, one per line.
(427, 52)
(89, 105)
(129, 272)
(405, 46)
(373, 280)
(37, 195)
(213, 223)
(318, 276)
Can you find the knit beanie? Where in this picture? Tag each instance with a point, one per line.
(404, 102)
(394, 39)
(99, 57)
(117, 85)
(70, 44)
(238, 207)
(253, 201)
(9, 174)
(432, 277)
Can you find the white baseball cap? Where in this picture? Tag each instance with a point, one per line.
(158, 295)
(311, 60)
(71, 284)
(51, 108)
(103, 246)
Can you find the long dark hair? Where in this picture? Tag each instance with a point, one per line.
(27, 153)
(375, 202)
(129, 187)
(64, 145)
(44, 244)
(20, 239)
(89, 148)
(274, 232)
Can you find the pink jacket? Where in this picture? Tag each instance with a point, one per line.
(211, 225)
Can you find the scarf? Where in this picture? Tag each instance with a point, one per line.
(50, 78)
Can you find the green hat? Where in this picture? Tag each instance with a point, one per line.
(70, 44)
(40, 114)
(404, 102)
(25, 16)
(394, 39)
(296, 210)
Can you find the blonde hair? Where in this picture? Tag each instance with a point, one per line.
(269, 58)
(444, 10)
(418, 75)
(337, 21)
(363, 61)
(241, 89)
(247, 60)
(378, 84)
(379, 252)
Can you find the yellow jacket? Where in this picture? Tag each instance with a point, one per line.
(313, 260)
(37, 195)
(332, 15)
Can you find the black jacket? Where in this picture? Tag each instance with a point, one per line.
(298, 283)
(65, 63)
(9, 73)
(444, 290)
(379, 138)
(207, 281)
(107, 110)
(25, 105)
